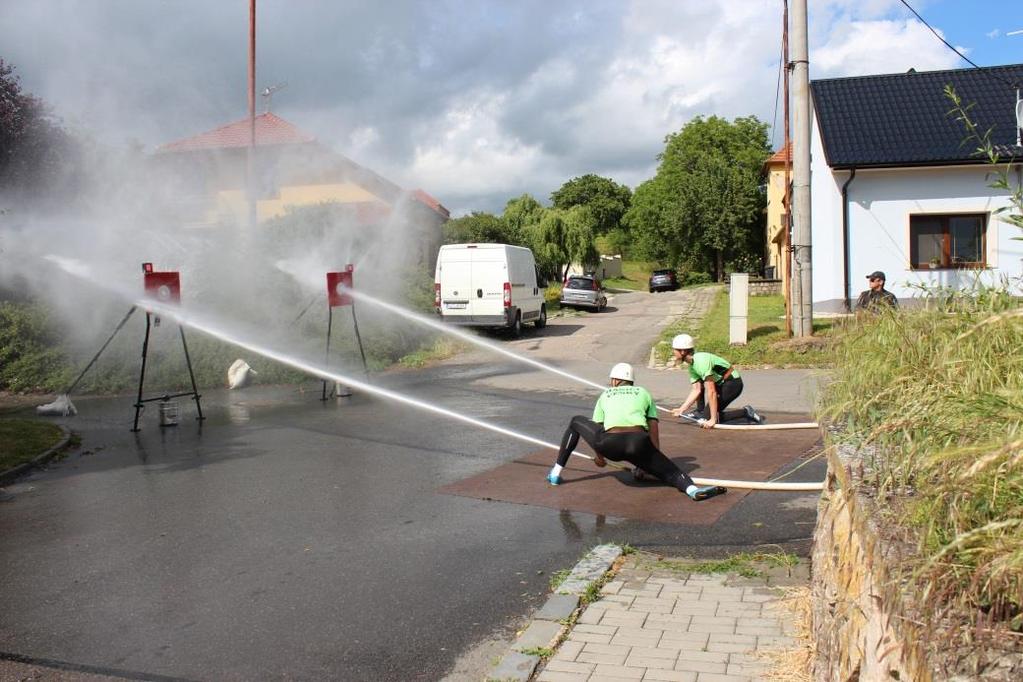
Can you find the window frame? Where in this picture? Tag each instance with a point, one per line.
(946, 246)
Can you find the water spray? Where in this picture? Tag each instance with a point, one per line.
(192, 321)
(322, 373)
(472, 338)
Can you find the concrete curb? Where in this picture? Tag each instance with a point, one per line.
(13, 473)
(548, 624)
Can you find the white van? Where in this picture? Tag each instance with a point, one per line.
(488, 285)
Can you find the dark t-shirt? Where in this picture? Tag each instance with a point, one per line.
(873, 300)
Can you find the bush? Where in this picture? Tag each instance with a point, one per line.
(30, 354)
(552, 295)
(691, 278)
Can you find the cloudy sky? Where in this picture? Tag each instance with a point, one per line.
(476, 101)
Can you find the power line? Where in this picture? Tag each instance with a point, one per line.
(777, 93)
(938, 35)
(949, 45)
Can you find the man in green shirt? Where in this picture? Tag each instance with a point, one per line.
(625, 427)
(715, 385)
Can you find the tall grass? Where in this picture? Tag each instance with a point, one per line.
(934, 401)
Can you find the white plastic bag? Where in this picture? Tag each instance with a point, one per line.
(61, 407)
(239, 374)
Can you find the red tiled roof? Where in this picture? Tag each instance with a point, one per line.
(781, 156)
(425, 198)
(270, 130)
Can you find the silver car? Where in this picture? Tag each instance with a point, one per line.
(583, 291)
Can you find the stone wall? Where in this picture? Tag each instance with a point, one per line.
(858, 621)
(764, 287)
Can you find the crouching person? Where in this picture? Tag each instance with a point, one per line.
(625, 428)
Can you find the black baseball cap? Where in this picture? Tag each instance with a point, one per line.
(877, 274)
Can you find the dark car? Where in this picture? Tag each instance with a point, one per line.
(583, 291)
(663, 280)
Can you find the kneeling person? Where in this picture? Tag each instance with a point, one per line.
(715, 384)
(625, 427)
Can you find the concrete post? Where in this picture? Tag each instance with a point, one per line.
(802, 275)
(738, 309)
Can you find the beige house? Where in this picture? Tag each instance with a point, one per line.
(775, 260)
(209, 174)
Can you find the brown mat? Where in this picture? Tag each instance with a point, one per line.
(736, 455)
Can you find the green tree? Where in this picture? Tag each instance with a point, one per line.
(548, 240)
(520, 214)
(607, 200)
(704, 207)
(479, 227)
(36, 155)
(580, 228)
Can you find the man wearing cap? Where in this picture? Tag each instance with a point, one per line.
(876, 297)
(625, 427)
(715, 385)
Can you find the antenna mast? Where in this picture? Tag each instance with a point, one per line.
(268, 93)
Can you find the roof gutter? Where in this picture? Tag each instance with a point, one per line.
(845, 240)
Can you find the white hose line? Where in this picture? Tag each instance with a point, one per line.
(749, 427)
(757, 485)
(767, 427)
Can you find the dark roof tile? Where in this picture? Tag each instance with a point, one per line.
(903, 119)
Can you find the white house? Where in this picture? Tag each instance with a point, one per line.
(897, 187)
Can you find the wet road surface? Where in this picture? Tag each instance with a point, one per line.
(289, 538)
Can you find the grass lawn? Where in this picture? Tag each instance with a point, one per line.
(635, 275)
(25, 439)
(766, 327)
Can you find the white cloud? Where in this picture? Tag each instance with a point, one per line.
(468, 153)
(874, 47)
(476, 103)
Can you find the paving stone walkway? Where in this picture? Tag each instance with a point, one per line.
(665, 625)
(693, 306)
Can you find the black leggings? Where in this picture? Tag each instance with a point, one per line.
(728, 390)
(634, 447)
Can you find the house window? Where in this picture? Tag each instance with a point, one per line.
(947, 241)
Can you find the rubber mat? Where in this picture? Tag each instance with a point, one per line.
(741, 455)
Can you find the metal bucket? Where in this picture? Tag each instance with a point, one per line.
(168, 413)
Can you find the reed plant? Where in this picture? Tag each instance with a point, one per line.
(933, 401)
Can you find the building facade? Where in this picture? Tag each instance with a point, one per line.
(897, 186)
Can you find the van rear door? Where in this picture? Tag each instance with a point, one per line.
(489, 273)
(455, 282)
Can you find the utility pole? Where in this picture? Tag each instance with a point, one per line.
(802, 252)
(250, 157)
(786, 204)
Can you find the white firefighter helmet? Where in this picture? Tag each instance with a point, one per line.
(682, 342)
(623, 371)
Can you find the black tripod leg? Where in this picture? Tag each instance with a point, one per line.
(191, 374)
(142, 373)
(326, 358)
(306, 309)
(362, 352)
(100, 351)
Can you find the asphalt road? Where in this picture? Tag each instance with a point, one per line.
(287, 538)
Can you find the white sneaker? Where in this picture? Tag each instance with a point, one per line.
(753, 415)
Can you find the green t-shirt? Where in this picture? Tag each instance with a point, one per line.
(708, 365)
(624, 406)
